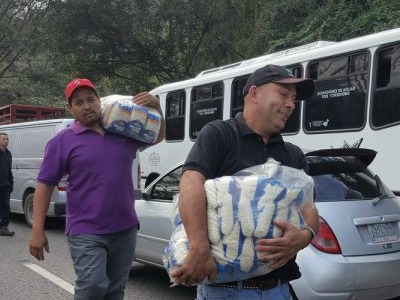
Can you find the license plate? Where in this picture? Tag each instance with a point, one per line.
(383, 232)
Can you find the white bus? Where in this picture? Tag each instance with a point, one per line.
(356, 102)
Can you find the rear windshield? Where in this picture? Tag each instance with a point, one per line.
(344, 178)
(344, 186)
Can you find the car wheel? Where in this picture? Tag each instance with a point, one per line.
(28, 209)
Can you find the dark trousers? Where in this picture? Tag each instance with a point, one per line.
(5, 192)
(102, 264)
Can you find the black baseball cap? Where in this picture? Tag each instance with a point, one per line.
(279, 74)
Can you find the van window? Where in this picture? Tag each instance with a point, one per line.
(339, 101)
(385, 101)
(29, 147)
(237, 101)
(292, 125)
(175, 116)
(206, 106)
(168, 186)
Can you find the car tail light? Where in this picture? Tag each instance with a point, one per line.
(325, 240)
(62, 185)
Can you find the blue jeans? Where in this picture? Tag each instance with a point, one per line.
(209, 292)
(102, 264)
(5, 192)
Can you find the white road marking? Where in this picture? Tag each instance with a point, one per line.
(50, 276)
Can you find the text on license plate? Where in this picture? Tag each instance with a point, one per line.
(382, 232)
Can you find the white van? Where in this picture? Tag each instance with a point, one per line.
(27, 142)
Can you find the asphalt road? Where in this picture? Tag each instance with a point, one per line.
(24, 278)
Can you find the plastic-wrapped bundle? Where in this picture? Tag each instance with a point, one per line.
(121, 115)
(240, 210)
(177, 249)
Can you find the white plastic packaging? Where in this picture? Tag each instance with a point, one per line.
(121, 115)
(241, 209)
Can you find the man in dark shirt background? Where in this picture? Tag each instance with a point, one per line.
(6, 185)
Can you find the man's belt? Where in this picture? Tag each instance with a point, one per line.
(252, 283)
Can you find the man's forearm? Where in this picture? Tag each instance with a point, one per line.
(193, 209)
(41, 202)
(310, 215)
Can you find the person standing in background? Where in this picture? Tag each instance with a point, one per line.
(6, 185)
(101, 221)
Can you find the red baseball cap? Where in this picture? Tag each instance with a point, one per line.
(77, 83)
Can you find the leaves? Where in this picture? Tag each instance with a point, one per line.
(127, 46)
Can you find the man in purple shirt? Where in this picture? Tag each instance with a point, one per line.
(101, 222)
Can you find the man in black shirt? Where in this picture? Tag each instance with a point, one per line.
(6, 185)
(225, 147)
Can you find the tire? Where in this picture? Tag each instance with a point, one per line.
(28, 209)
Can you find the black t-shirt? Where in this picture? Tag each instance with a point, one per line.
(6, 177)
(226, 147)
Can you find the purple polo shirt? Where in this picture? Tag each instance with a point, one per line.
(100, 188)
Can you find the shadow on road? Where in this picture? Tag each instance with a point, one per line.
(156, 282)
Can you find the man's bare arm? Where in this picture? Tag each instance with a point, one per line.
(41, 202)
(199, 264)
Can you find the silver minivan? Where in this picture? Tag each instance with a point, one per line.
(27, 142)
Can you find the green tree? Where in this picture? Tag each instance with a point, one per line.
(20, 21)
(127, 46)
(144, 43)
(272, 26)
